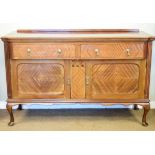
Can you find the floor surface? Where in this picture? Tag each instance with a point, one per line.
(77, 120)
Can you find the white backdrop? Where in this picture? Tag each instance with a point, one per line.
(8, 27)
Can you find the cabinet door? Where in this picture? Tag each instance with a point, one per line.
(78, 79)
(121, 79)
(40, 79)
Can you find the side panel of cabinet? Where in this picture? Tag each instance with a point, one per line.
(122, 79)
(40, 79)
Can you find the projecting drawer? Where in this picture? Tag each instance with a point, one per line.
(42, 51)
(115, 50)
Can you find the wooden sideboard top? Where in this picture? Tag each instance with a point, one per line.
(76, 34)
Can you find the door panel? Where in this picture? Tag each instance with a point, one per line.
(40, 79)
(115, 79)
(78, 80)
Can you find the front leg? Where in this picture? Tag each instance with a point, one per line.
(9, 109)
(146, 110)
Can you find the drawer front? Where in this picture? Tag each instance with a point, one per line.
(42, 51)
(123, 50)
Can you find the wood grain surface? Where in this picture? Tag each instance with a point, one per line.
(78, 80)
(78, 66)
(42, 51)
(113, 50)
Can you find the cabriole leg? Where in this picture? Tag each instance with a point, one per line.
(9, 109)
(20, 107)
(135, 107)
(146, 110)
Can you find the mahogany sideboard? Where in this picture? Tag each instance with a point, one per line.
(104, 66)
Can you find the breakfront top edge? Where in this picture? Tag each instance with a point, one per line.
(76, 34)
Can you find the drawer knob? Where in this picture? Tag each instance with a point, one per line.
(29, 52)
(128, 51)
(59, 51)
(97, 51)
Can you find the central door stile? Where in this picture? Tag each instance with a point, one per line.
(78, 79)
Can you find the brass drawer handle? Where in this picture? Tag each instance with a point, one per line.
(59, 51)
(28, 52)
(97, 51)
(128, 51)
